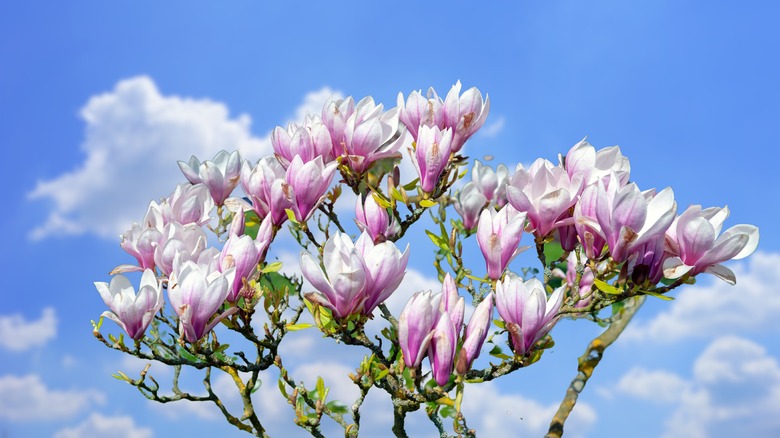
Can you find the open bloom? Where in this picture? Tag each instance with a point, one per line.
(420, 111)
(544, 192)
(309, 141)
(465, 113)
(335, 114)
(220, 175)
(432, 155)
(306, 185)
(475, 335)
(243, 253)
(264, 185)
(188, 204)
(524, 307)
(179, 243)
(491, 183)
(385, 267)
(138, 242)
(196, 295)
(415, 326)
(133, 312)
(693, 240)
(370, 135)
(584, 163)
(626, 217)
(498, 236)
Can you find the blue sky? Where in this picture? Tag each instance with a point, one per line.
(689, 91)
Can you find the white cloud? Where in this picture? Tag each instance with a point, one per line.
(493, 413)
(734, 391)
(710, 309)
(100, 425)
(28, 398)
(134, 137)
(491, 130)
(18, 334)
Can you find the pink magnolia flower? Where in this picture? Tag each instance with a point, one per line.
(420, 111)
(432, 155)
(586, 225)
(133, 312)
(306, 185)
(415, 326)
(188, 204)
(545, 193)
(179, 243)
(498, 236)
(441, 349)
(243, 254)
(374, 220)
(335, 114)
(586, 280)
(139, 242)
(370, 135)
(451, 302)
(465, 114)
(469, 203)
(491, 183)
(475, 335)
(309, 141)
(696, 247)
(385, 267)
(196, 296)
(264, 185)
(628, 219)
(526, 311)
(220, 175)
(340, 284)
(584, 164)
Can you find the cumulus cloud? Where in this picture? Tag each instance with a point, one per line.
(713, 307)
(18, 334)
(28, 398)
(492, 413)
(734, 391)
(134, 137)
(101, 425)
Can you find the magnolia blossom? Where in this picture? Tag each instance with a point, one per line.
(309, 141)
(335, 114)
(585, 284)
(588, 231)
(475, 335)
(373, 219)
(179, 243)
(220, 175)
(526, 311)
(370, 135)
(584, 164)
(139, 242)
(420, 111)
(441, 349)
(243, 253)
(306, 185)
(432, 155)
(188, 204)
(498, 236)
(465, 114)
(451, 301)
(356, 277)
(627, 218)
(469, 203)
(415, 326)
(693, 240)
(196, 296)
(491, 183)
(133, 312)
(545, 193)
(264, 185)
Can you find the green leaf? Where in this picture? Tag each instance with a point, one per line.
(299, 326)
(251, 224)
(411, 185)
(187, 355)
(427, 203)
(282, 389)
(447, 411)
(272, 267)
(382, 374)
(438, 241)
(322, 392)
(396, 195)
(657, 295)
(381, 200)
(552, 251)
(291, 216)
(499, 323)
(606, 288)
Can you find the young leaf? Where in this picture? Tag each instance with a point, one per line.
(427, 203)
(606, 287)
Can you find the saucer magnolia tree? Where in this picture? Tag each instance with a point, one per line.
(603, 245)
